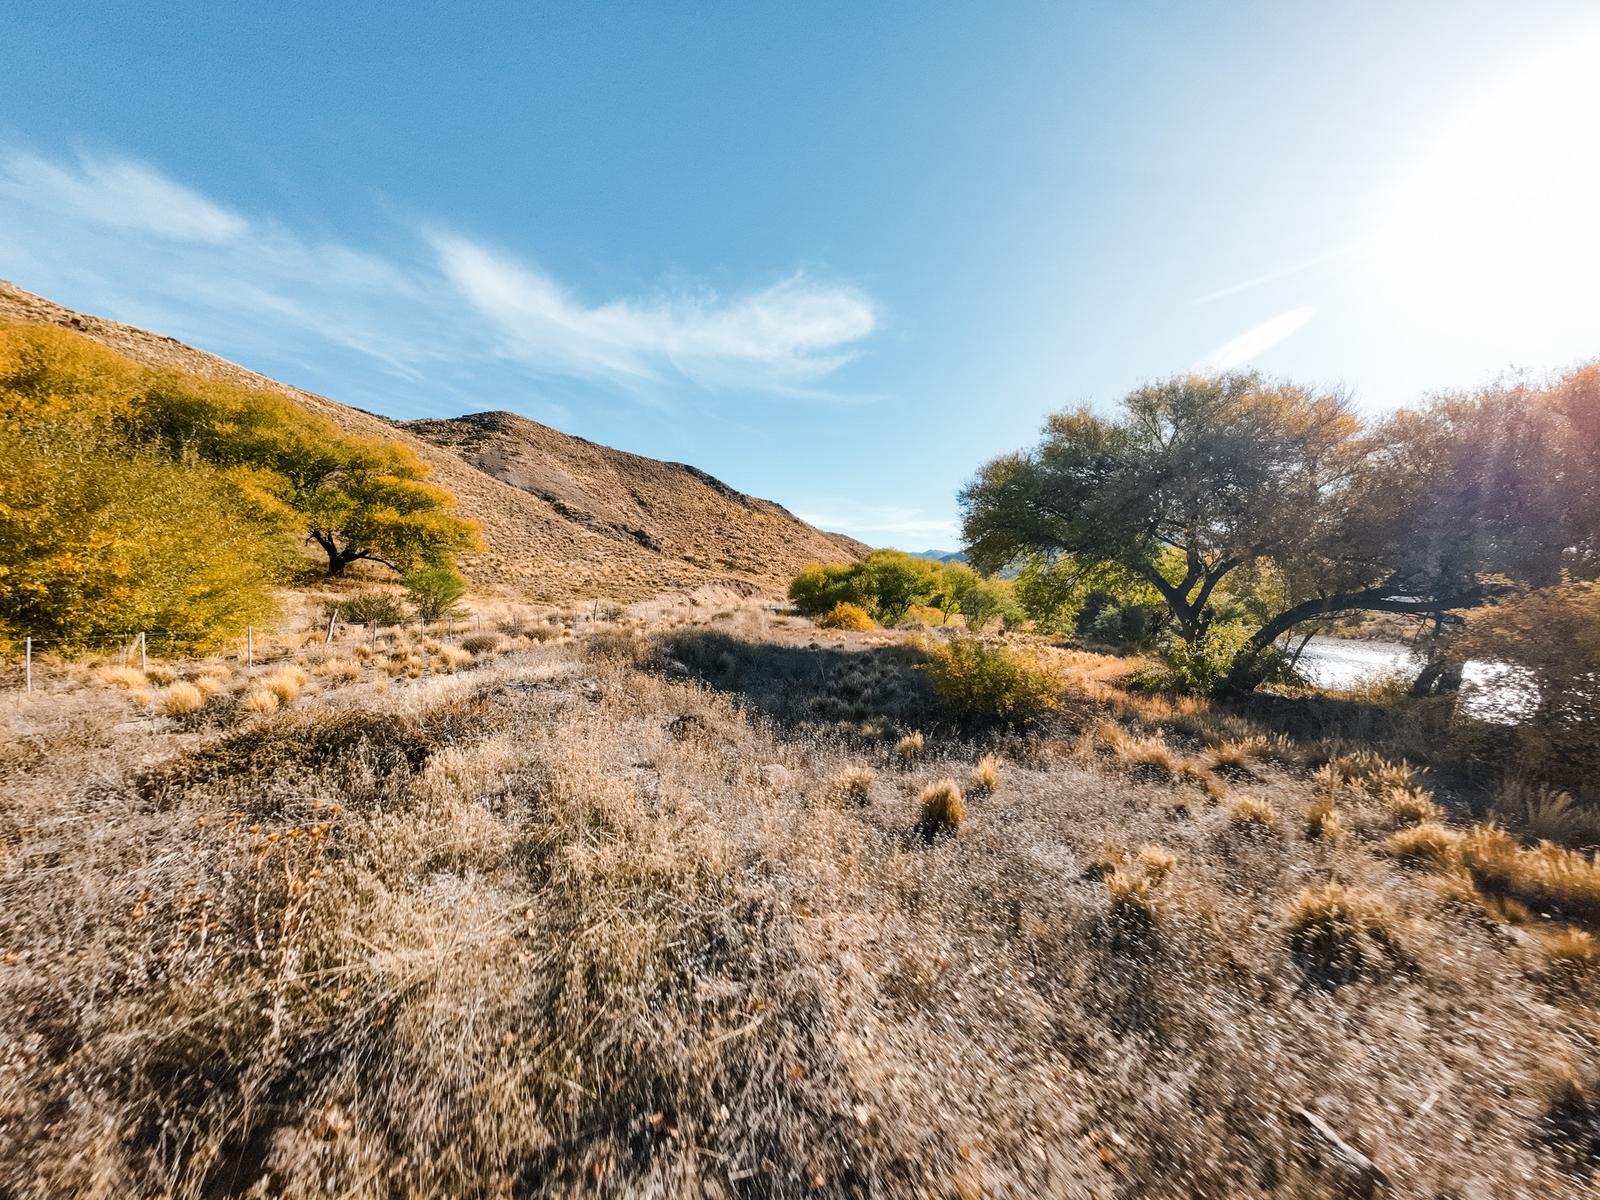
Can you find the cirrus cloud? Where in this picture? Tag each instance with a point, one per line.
(114, 233)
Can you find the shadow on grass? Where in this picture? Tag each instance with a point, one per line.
(872, 691)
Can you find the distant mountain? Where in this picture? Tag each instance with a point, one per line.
(563, 518)
(949, 556)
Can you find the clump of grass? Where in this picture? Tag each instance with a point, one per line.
(1371, 772)
(1156, 861)
(1135, 892)
(1323, 823)
(986, 776)
(1411, 805)
(261, 700)
(1546, 877)
(941, 810)
(160, 674)
(451, 659)
(285, 683)
(123, 677)
(1428, 844)
(482, 643)
(1545, 813)
(212, 681)
(845, 615)
(341, 670)
(853, 786)
(910, 748)
(1253, 814)
(179, 699)
(1572, 951)
(1339, 933)
(1134, 902)
(1234, 757)
(615, 644)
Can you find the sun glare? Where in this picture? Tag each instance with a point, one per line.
(1492, 242)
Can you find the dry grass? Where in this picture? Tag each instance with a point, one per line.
(1339, 933)
(130, 678)
(284, 683)
(986, 776)
(180, 699)
(1253, 814)
(261, 700)
(1323, 823)
(853, 786)
(910, 748)
(537, 928)
(1545, 877)
(1410, 805)
(1428, 844)
(941, 808)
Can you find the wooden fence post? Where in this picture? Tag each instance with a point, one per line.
(332, 618)
(249, 647)
(27, 664)
(144, 664)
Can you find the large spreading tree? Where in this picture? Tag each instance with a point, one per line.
(1203, 479)
(358, 499)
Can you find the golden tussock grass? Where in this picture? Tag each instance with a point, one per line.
(1545, 877)
(1323, 823)
(986, 776)
(261, 700)
(853, 786)
(1428, 844)
(179, 699)
(910, 747)
(941, 809)
(1253, 814)
(1339, 932)
(1410, 805)
(122, 677)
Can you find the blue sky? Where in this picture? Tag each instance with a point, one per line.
(837, 255)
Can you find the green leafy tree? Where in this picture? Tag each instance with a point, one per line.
(819, 587)
(981, 600)
(1205, 477)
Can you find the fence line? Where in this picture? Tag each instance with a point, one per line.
(178, 644)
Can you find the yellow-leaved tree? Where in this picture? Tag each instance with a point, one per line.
(99, 540)
(356, 498)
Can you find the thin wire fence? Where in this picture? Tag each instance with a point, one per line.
(36, 659)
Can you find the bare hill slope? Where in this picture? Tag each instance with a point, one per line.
(563, 518)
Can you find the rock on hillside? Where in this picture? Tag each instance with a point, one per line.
(563, 518)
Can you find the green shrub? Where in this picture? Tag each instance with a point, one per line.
(434, 592)
(845, 615)
(983, 684)
(367, 608)
(1205, 666)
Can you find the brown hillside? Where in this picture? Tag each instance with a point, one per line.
(667, 509)
(563, 518)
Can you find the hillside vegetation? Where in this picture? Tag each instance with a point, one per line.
(561, 519)
(133, 498)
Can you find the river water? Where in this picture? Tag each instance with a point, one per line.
(1489, 691)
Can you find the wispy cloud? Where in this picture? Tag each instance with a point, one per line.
(110, 226)
(884, 524)
(794, 329)
(1256, 340)
(122, 193)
